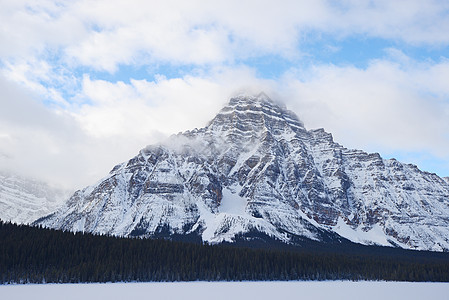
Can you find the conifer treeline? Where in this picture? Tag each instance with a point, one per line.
(31, 254)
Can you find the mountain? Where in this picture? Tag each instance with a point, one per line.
(254, 172)
(24, 200)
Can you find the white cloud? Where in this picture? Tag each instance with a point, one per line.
(30, 27)
(52, 145)
(392, 105)
(105, 34)
(51, 81)
(387, 106)
(415, 21)
(165, 105)
(34, 138)
(77, 145)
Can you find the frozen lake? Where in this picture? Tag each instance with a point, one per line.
(333, 290)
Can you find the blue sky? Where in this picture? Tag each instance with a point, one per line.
(86, 84)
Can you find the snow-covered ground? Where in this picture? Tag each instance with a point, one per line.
(334, 290)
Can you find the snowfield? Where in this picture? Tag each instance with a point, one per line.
(334, 290)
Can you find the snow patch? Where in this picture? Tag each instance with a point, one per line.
(79, 225)
(232, 202)
(232, 213)
(373, 236)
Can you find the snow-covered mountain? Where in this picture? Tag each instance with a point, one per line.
(24, 200)
(256, 169)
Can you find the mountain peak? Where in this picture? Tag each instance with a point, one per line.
(257, 111)
(254, 99)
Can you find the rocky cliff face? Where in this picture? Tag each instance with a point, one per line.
(255, 168)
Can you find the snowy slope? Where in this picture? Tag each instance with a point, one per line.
(255, 168)
(23, 200)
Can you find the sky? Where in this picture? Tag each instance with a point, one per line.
(86, 84)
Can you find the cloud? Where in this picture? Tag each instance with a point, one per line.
(166, 106)
(30, 28)
(387, 106)
(106, 34)
(50, 144)
(51, 81)
(76, 145)
(34, 139)
(414, 22)
(394, 104)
